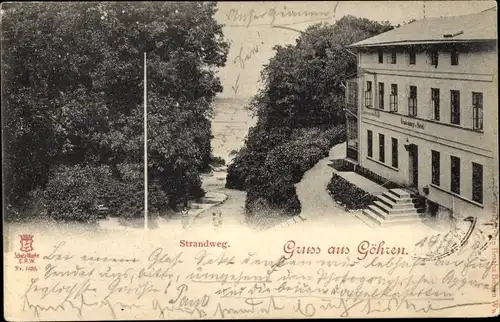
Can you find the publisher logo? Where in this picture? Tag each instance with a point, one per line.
(26, 243)
(26, 257)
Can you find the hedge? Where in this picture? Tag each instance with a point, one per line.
(348, 195)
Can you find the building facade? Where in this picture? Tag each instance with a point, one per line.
(428, 110)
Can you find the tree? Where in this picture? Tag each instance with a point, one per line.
(73, 94)
(303, 81)
(299, 110)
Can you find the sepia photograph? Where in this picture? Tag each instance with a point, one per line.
(235, 160)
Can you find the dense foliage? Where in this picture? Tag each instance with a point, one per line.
(271, 186)
(303, 81)
(302, 90)
(72, 102)
(348, 195)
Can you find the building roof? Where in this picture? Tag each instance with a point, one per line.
(481, 26)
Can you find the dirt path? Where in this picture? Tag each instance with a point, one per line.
(232, 208)
(317, 205)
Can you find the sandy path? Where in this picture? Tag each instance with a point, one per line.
(317, 205)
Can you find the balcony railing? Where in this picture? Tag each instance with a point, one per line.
(412, 106)
(393, 103)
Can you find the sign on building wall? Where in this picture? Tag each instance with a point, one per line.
(413, 124)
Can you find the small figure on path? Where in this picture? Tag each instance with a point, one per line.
(215, 221)
(219, 219)
(185, 218)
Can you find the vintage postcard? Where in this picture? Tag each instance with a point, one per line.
(236, 160)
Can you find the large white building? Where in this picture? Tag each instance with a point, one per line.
(427, 110)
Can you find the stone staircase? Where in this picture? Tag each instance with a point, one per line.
(394, 207)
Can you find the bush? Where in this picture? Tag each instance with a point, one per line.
(269, 175)
(284, 157)
(75, 192)
(217, 162)
(278, 196)
(342, 165)
(245, 169)
(350, 196)
(127, 199)
(291, 160)
(237, 172)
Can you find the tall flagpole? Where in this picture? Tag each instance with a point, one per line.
(145, 149)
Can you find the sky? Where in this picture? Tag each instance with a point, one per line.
(252, 39)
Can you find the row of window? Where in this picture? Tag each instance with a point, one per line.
(477, 103)
(477, 175)
(477, 169)
(381, 148)
(412, 57)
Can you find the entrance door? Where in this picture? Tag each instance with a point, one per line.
(414, 166)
